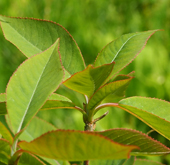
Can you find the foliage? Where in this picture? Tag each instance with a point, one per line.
(52, 54)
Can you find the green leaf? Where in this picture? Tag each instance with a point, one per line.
(120, 77)
(2, 97)
(55, 96)
(54, 162)
(129, 161)
(28, 159)
(57, 101)
(36, 128)
(146, 162)
(5, 151)
(3, 110)
(31, 85)
(33, 36)
(123, 50)
(72, 95)
(3, 162)
(107, 162)
(147, 145)
(110, 98)
(90, 79)
(55, 104)
(117, 89)
(153, 112)
(3, 159)
(5, 133)
(78, 146)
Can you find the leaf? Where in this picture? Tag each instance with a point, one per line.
(107, 162)
(78, 146)
(57, 101)
(72, 95)
(147, 145)
(146, 162)
(110, 98)
(123, 50)
(31, 85)
(33, 36)
(90, 79)
(153, 112)
(117, 89)
(55, 96)
(2, 163)
(36, 128)
(2, 97)
(129, 161)
(3, 110)
(5, 133)
(54, 162)
(55, 104)
(120, 77)
(27, 159)
(5, 151)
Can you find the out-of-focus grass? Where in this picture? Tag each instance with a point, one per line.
(93, 24)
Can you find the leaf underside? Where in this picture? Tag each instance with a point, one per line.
(147, 145)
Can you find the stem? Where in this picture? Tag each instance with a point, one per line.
(150, 131)
(86, 162)
(105, 105)
(88, 127)
(90, 124)
(101, 117)
(14, 147)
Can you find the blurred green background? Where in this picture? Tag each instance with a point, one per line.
(93, 24)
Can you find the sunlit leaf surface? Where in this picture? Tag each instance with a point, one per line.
(31, 85)
(33, 36)
(123, 50)
(153, 112)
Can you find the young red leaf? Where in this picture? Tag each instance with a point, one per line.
(78, 146)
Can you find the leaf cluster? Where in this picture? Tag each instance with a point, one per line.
(54, 59)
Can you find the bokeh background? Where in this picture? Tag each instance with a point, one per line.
(93, 24)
